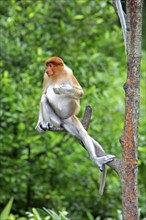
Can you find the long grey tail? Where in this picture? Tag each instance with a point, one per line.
(102, 181)
(103, 176)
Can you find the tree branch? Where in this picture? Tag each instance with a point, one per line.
(120, 12)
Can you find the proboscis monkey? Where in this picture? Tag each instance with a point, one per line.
(60, 103)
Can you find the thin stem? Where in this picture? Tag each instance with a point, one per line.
(122, 20)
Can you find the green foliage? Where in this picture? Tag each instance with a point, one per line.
(46, 214)
(51, 170)
(6, 211)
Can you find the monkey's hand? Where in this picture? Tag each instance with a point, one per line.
(43, 126)
(64, 88)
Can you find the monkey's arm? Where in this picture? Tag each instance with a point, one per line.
(47, 116)
(70, 87)
(43, 120)
(69, 90)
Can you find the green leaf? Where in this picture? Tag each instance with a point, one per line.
(52, 214)
(79, 17)
(6, 211)
(36, 214)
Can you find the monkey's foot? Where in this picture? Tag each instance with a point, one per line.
(100, 161)
(39, 128)
(46, 126)
(43, 126)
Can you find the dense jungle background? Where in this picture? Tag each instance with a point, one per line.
(52, 170)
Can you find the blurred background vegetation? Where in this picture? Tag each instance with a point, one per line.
(52, 170)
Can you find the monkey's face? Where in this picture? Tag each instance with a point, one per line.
(49, 69)
(54, 65)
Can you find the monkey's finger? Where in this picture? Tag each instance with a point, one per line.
(49, 126)
(39, 129)
(108, 158)
(42, 127)
(56, 91)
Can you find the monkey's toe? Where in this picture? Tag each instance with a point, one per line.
(109, 158)
(39, 129)
(42, 127)
(49, 126)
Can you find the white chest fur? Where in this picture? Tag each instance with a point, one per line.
(61, 103)
(54, 99)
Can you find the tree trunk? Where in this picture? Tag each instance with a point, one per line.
(128, 172)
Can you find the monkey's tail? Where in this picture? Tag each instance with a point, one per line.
(102, 181)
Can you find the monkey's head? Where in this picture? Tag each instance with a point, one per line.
(54, 65)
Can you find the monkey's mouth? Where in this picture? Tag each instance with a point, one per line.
(49, 74)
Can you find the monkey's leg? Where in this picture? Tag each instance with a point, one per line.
(47, 117)
(74, 126)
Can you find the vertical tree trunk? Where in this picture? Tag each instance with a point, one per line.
(132, 96)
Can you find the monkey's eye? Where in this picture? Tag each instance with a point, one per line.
(49, 64)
